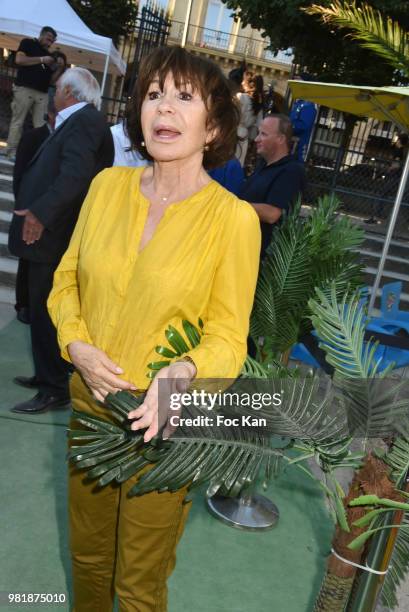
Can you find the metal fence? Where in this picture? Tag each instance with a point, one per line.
(151, 30)
(360, 161)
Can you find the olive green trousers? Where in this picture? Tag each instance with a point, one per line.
(118, 544)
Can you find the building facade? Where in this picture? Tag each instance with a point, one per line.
(214, 33)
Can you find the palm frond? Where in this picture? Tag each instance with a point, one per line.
(398, 567)
(342, 270)
(303, 254)
(228, 461)
(227, 457)
(113, 452)
(381, 35)
(270, 368)
(341, 327)
(286, 266)
(344, 236)
(301, 415)
(282, 287)
(372, 402)
(178, 345)
(397, 458)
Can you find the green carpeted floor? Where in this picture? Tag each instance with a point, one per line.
(219, 569)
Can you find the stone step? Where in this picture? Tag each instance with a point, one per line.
(6, 183)
(377, 254)
(6, 167)
(393, 263)
(6, 206)
(374, 242)
(7, 295)
(5, 219)
(8, 271)
(389, 275)
(4, 251)
(7, 196)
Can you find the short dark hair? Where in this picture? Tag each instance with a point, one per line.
(285, 127)
(46, 29)
(204, 76)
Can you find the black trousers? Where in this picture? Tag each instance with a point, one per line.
(49, 367)
(22, 284)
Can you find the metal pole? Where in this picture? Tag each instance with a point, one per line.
(104, 78)
(389, 234)
(187, 21)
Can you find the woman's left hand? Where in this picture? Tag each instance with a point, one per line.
(181, 373)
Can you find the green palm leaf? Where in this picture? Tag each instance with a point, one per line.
(381, 35)
(342, 270)
(303, 254)
(179, 345)
(398, 567)
(228, 457)
(341, 326)
(281, 287)
(373, 403)
(397, 458)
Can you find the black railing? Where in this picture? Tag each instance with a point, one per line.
(152, 30)
(357, 160)
(232, 43)
(366, 189)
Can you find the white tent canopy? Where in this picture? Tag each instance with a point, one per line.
(25, 18)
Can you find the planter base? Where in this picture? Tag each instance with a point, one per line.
(248, 512)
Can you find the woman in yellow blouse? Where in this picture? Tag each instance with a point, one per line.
(152, 246)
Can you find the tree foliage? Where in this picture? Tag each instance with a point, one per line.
(375, 31)
(112, 18)
(324, 52)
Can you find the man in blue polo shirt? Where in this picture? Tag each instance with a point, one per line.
(278, 180)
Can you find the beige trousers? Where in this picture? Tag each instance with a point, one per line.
(119, 544)
(25, 100)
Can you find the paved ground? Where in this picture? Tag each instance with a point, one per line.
(7, 314)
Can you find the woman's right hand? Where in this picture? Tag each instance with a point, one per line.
(98, 371)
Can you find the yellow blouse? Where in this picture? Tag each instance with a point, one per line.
(202, 261)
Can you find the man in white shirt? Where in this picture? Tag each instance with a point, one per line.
(124, 155)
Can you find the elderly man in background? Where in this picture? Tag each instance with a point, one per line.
(278, 180)
(49, 200)
(37, 69)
